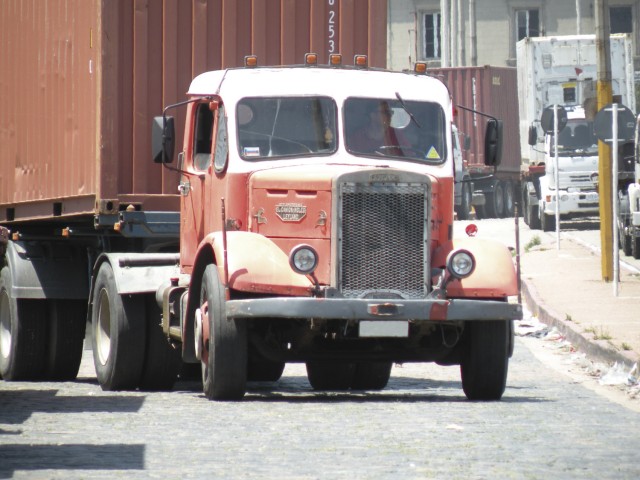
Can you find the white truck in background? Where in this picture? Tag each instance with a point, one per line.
(562, 70)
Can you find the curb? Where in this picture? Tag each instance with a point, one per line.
(598, 350)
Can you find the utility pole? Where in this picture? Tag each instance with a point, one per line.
(604, 97)
(445, 33)
(473, 55)
(578, 17)
(453, 31)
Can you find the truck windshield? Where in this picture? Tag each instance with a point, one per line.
(576, 138)
(395, 128)
(286, 126)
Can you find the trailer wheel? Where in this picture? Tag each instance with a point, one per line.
(331, 375)
(22, 334)
(371, 375)
(67, 321)
(485, 360)
(224, 369)
(508, 202)
(118, 334)
(162, 362)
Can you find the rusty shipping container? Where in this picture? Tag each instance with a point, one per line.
(491, 90)
(80, 81)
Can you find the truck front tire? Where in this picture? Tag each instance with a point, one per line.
(547, 222)
(118, 325)
(485, 361)
(224, 371)
(635, 246)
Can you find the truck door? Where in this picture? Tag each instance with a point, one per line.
(197, 162)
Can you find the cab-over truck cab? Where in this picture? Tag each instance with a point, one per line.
(317, 227)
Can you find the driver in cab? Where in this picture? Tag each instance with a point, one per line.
(377, 136)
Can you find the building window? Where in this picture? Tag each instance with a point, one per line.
(432, 35)
(621, 19)
(527, 23)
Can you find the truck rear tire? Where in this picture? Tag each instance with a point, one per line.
(371, 375)
(336, 376)
(224, 371)
(485, 361)
(67, 321)
(22, 334)
(162, 362)
(118, 325)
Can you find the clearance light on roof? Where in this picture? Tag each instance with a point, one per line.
(360, 61)
(420, 67)
(335, 59)
(251, 61)
(311, 59)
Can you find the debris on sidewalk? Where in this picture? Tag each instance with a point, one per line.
(530, 327)
(619, 375)
(616, 375)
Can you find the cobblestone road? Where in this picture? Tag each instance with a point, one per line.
(421, 426)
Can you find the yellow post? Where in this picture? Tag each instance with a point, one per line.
(604, 191)
(604, 97)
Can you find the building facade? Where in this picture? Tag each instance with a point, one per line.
(485, 32)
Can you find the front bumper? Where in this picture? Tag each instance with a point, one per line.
(573, 203)
(429, 310)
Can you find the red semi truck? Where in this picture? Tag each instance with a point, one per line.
(314, 225)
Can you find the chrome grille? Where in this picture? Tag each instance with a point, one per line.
(383, 245)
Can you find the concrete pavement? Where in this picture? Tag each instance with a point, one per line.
(564, 288)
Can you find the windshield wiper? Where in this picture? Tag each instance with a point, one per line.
(406, 109)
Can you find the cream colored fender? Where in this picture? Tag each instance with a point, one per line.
(256, 264)
(494, 275)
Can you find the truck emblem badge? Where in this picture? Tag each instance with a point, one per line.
(291, 212)
(384, 177)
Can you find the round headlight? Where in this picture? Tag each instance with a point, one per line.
(303, 259)
(460, 263)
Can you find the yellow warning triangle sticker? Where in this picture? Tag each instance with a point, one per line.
(433, 154)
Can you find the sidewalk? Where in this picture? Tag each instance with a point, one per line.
(564, 288)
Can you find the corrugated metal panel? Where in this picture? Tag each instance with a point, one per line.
(81, 79)
(48, 101)
(491, 90)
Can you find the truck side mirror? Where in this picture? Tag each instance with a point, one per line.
(533, 135)
(493, 143)
(162, 139)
